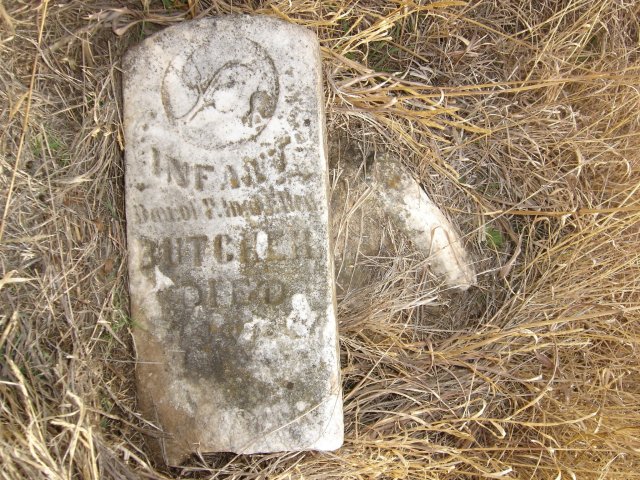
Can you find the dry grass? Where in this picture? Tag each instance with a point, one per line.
(523, 121)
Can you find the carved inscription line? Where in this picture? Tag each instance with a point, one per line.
(180, 173)
(270, 203)
(184, 174)
(216, 293)
(191, 251)
(169, 256)
(169, 214)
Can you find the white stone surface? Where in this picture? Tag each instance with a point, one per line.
(387, 196)
(231, 276)
(409, 206)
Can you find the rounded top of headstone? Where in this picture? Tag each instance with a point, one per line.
(222, 86)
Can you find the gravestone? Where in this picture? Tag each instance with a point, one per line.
(420, 219)
(382, 195)
(231, 278)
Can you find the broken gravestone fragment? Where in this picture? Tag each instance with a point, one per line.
(365, 199)
(411, 209)
(231, 277)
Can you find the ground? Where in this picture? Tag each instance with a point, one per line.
(522, 122)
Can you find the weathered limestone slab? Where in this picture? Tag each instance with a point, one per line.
(365, 200)
(231, 276)
(411, 209)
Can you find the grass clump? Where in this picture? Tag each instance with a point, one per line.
(522, 120)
